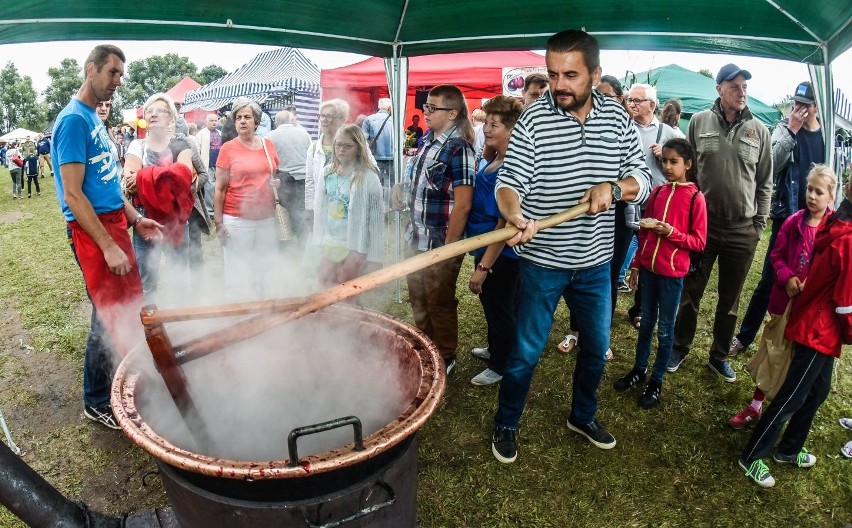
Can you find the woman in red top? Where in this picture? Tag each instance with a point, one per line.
(244, 204)
(676, 224)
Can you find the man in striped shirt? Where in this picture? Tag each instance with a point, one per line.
(572, 145)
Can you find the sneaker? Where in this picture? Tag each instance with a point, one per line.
(759, 473)
(623, 288)
(846, 423)
(450, 365)
(737, 346)
(651, 395)
(594, 433)
(504, 445)
(481, 353)
(846, 450)
(486, 377)
(630, 379)
(675, 359)
(102, 415)
(744, 417)
(803, 459)
(723, 369)
(29, 196)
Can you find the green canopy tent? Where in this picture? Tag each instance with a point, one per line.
(811, 32)
(695, 91)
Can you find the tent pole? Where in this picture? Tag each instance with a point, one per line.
(396, 70)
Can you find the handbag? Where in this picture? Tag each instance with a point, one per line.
(282, 215)
(769, 365)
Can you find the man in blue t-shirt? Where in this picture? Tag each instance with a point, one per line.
(43, 147)
(87, 186)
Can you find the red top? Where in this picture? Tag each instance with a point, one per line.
(249, 194)
(822, 314)
(669, 256)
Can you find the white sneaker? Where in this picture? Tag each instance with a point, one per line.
(486, 377)
(481, 353)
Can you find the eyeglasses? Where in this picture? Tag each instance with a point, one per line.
(630, 100)
(154, 111)
(105, 104)
(344, 146)
(328, 117)
(429, 108)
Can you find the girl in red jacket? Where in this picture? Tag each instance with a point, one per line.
(675, 225)
(791, 260)
(820, 323)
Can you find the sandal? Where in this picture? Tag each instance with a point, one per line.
(609, 354)
(567, 344)
(636, 322)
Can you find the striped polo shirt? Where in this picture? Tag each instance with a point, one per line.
(553, 159)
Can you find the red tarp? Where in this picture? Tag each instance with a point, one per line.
(177, 93)
(478, 74)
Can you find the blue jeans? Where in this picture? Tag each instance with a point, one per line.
(759, 303)
(660, 296)
(97, 362)
(628, 258)
(587, 293)
(148, 259)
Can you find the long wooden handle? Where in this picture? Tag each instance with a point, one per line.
(357, 285)
(279, 312)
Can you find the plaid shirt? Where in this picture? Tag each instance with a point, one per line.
(439, 166)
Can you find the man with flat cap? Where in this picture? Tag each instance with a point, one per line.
(735, 175)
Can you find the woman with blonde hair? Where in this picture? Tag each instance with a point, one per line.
(333, 114)
(244, 204)
(348, 210)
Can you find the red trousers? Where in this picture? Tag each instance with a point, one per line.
(118, 298)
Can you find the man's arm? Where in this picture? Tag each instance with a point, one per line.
(462, 202)
(783, 142)
(763, 181)
(72, 181)
(509, 203)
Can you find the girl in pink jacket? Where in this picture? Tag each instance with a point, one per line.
(675, 226)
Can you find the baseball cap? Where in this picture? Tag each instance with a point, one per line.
(729, 71)
(804, 93)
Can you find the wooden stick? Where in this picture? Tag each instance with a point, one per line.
(283, 311)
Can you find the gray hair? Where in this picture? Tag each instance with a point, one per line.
(170, 104)
(384, 103)
(283, 117)
(341, 108)
(650, 92)
(242, 102)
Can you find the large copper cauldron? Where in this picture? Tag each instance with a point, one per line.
(352, 486)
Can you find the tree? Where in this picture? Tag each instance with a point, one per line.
(707, 73)
(18, 105)
(210, 73)
(157, 73)
(64, 83)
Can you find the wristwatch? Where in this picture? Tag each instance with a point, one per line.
(616, 192)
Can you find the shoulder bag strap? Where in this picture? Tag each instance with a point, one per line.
(269, 161)
(379, 133)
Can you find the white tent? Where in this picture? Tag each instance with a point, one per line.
(19, 134)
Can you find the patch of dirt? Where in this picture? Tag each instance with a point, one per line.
(14, 216)
(41, 398)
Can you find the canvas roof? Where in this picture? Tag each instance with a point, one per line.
(814, 32)
(179, 90)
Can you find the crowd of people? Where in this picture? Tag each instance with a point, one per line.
(663, 208)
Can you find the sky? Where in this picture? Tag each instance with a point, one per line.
(772, 79)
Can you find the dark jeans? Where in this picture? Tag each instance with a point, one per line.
(386, 172)
(32, 178)
(148, 259)
(759, 303)
(623, 234)
(498, 299)
(805, 388)
(291, 194)
(734, 248)
(97, 362)
(539, 290)
(660, 298)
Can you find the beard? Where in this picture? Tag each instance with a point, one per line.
(577, 101)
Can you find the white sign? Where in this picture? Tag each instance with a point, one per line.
(513, 78)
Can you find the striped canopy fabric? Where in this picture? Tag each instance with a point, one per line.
(268, 76)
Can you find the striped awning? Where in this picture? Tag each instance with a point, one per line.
(270, 73)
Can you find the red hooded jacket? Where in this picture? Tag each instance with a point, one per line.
(821, 317)
(669, 255)
(166, 196)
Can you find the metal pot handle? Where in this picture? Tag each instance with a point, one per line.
(357, 515)
(322, 427)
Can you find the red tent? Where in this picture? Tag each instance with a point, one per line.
(177, 93)
(478, 74)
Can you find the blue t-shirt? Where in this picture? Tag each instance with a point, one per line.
(43, 146)
(484, 213)
(80, 137)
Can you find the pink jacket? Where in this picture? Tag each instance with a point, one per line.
(669, 256)
(785, 258)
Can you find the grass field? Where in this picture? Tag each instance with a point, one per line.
(673, 466)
